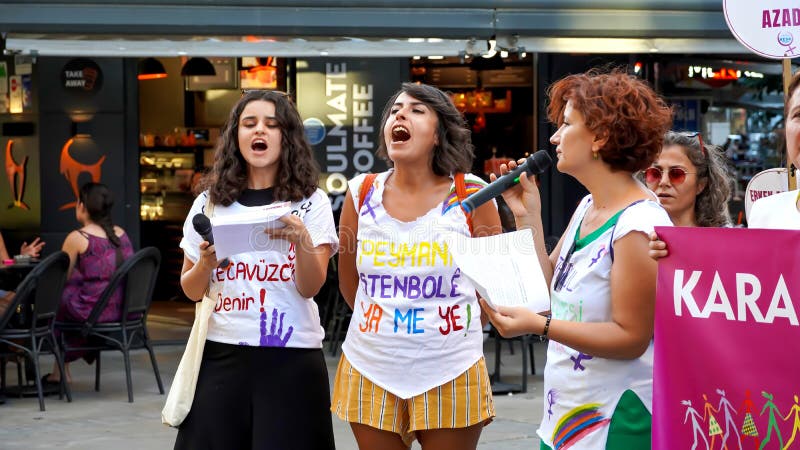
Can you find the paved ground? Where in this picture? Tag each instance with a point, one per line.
(105, 420)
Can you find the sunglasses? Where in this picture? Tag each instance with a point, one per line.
(693, 134)
(676, 175)
(281, 93)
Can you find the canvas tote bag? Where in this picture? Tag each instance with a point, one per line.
(181, 393)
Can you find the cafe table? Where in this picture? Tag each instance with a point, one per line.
(11, 275)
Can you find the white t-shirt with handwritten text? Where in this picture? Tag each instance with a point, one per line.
(416, 321)
(257, 303)
(582, 391)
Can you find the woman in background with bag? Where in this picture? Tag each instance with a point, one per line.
(262, 378)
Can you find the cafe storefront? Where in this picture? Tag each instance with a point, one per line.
(75, 108)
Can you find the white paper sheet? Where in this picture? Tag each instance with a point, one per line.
(504, 269)
(244, 232)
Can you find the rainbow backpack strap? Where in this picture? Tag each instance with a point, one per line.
(366, 185)
(462, 194)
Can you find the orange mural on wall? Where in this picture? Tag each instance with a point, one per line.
(16, 177)
(71, 169)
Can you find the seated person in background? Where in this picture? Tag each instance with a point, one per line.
(31, 249)
(95, 251)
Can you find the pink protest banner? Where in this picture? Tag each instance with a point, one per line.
(727, 340)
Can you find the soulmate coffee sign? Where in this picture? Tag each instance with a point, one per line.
(770, 28)
(341, 101)
(81, 74)
(727, 340)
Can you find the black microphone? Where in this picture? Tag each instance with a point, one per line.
(536, 163)
(202, 225)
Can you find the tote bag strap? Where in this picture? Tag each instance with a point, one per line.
(181, 393)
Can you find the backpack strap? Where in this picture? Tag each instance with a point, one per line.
(611, 240)
(461, 193)
(366, 185)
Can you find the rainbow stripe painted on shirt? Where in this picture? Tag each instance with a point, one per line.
(576, 424)
(472, 186)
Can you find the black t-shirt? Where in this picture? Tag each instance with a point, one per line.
(257, 197)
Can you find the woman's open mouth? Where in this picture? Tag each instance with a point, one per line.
(400, 134)
(259, 146)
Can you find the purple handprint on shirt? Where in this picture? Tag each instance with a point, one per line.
(273, 339)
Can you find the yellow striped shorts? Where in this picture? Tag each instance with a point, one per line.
(459, 403)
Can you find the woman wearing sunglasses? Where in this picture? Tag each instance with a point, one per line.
(599, 369)
(777, 211)
(691, 180)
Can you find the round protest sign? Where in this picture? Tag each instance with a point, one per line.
(771, 29)
(763, 184)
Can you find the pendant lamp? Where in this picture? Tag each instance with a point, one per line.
(151, 69)
(198, 67)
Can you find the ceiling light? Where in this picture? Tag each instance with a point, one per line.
(198, 67)
(151, 69)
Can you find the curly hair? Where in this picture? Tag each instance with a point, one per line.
(711, 204)
(298, 172)
(619, 107)
(455, 151)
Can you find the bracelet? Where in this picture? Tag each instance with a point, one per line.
(543, 336)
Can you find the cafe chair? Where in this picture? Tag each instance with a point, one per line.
(137, 276)
(28, 322)
(339, 323)
(526, 342)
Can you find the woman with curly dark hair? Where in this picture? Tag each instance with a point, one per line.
(256, 380)
(599, 372)
(415, 341)
(692, 181)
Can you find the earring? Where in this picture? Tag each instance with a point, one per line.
(596, 155)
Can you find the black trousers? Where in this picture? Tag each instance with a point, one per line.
(260, 398)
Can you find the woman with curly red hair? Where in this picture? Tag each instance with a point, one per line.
(599, 372)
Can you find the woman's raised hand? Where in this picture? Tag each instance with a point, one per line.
(523, 198)
(658, 248)
(32, 249)
(208, 256)
(295, 230)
